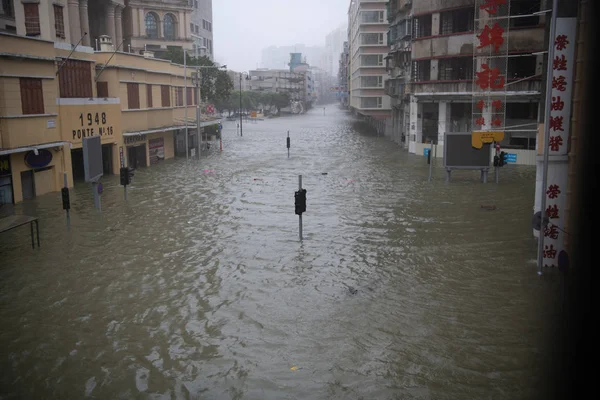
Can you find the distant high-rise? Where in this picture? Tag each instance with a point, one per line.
(334, 45)
(202, 28)
(278, 57)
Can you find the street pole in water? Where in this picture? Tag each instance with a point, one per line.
(430, 160)
(300, 216)
(185, 102)
(67, 209)
(288, 143)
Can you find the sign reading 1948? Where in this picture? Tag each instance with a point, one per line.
(92, 124)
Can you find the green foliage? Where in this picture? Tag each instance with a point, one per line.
(215, 84)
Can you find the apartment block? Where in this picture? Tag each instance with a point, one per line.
(368, 47)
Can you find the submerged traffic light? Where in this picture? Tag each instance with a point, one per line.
(300, 201)
(125, 175)
(65, 198)
(502, 159)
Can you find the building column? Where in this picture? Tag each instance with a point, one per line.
(416, 124)
(443, 114)
(110, 22)
(85, 21)
(74, 22)
(118, 26)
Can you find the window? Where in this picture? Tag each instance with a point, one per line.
(521, 67)
(149, 96)
(421, 70)
(457, 21)
(32, 19)
(152, 26)
(196, 3)
(170, 27)
(75, 80)
(455, 69)
(32, 96)
(189, 96)
(371, 17)
(524, 7)
(371, 60)
(422, 26)
(521, 111)
(133, 96)
(59, 23)
(371, 81)
(372, 38)
(370, 102)
(102, 89)
(192, 29)
(165, 96)
(7, 8)
(178, 96)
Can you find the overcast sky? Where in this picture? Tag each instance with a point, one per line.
(242, 28)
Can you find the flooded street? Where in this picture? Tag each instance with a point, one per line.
(197, 287)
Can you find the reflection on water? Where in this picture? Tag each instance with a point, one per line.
(197, 286)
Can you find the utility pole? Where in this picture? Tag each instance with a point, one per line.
(185, 101)
(241, 129)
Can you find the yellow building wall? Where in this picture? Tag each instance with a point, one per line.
(90, 118)
(45, 181)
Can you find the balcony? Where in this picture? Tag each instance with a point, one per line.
(530, 89)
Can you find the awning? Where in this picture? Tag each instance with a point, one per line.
(36, 147)
(172, 128)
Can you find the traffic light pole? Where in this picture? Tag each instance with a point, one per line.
(67, 209)
(300, 216)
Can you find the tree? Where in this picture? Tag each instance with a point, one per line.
(215, 84)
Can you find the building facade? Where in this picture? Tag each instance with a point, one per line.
(343, 75)
(278, 81)
(50, 102)
(201, 28)
(398, 65)
(334, 45)
(367, 38)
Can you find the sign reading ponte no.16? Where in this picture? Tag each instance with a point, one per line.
(92, 124)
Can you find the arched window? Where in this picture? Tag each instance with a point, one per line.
(152, 26)
(170, 27)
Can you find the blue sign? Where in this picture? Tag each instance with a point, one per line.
(510, 157)
(43, 158)
(426, 152)
(220, 126)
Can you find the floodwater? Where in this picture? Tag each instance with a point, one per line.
(198, 287)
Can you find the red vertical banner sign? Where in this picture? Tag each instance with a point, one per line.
(490, 64)
(563, 65)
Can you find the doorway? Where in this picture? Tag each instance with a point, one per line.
(27, 185)
(107, 158)
(136, 156)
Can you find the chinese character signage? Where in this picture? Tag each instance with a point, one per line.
(490, 61)
(563, 63)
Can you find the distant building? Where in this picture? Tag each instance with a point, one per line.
(367, 37)
(238, 84)
(334, 45)
(278, 57)
(278, 81)
(201, 27)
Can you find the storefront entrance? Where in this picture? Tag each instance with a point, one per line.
(6, 188)
(77, 162)
(136, 156)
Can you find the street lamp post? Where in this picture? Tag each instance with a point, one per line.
(241, 129)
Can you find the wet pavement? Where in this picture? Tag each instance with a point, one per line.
(197, 287)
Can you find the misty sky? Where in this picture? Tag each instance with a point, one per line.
(242, 28)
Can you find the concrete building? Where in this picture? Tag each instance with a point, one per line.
(156, 25)
(343, 75)
(441, 72)
(134, 25)
(278, 81)
(49, 103)
(238, 84)
(278, 57)
(398, 65)
(334, 45)
(201, 28)
(367, 38)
